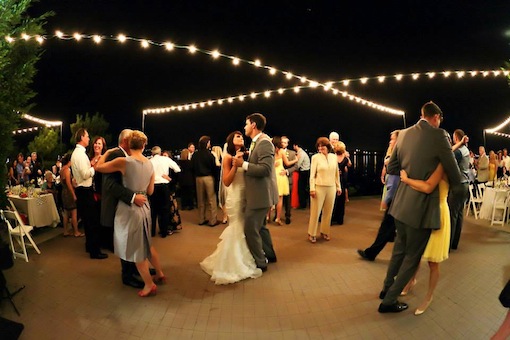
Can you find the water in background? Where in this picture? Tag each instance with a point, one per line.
(364, 176)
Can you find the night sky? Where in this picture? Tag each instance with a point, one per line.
(323, 40)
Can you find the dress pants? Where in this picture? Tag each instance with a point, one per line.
(206, 196)
(339, 209)
(322, 203)
(86, 208)
(287, 201)
(456, 201)
(303, 191)
(258, 237)
(160, 208)
(385, 234)
(407, 251)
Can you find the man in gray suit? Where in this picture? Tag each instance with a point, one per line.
(261, 190)
(418, 151)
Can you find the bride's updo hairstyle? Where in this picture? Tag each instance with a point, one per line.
(231, 148)
(137, 140)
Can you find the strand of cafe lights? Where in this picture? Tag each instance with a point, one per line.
(145, 43)
(47, 123)
(495, 130)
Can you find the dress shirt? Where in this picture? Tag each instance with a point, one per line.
(392, 182)
(324, 171)
(254, 141)
(80, 164)
(303, 162)
(161, 166)
(506, 162)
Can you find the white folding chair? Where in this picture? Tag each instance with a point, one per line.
(499, 207)
(480, 188)
(19, 230)
(474, 201)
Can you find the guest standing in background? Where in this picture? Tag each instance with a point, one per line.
(83, 173)
(303, 166)
(482, 166)
(69, 198)
(291, 156)
(186, 181)
(324, 185)
(493, 166)
(105, 234)
(343, 162)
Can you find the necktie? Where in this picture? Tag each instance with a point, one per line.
(252, 145)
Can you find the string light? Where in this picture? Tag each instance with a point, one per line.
(25, 130)
(267, 94)
(47, 123)
(499, 127)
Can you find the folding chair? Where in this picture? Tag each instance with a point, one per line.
(499, 207)
(19, 231)
(474, 201)
(480, 188)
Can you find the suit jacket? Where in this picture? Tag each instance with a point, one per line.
(113, 191)
(483, 169)
(260, 178)
(291, 155)
(418, 151)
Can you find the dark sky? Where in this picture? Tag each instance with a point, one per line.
(324, 40)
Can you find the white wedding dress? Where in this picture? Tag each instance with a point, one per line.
(232, 261)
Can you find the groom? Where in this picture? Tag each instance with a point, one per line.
(261, 190)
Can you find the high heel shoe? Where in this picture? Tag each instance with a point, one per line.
(312, 239)
(407, 289)
(420, 310)
(278, 221)
(153, 291)
(325, 237)
(159, 279)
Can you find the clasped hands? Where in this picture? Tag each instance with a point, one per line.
(238, 160)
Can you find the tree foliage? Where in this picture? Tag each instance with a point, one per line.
(46, 144)
(96, 125)
(17, 70)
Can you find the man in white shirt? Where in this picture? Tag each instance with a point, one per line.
(160, 199)
(83, 174)
(506, 161)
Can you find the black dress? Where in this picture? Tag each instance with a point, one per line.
(339, 209)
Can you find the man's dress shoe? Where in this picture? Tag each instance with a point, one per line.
(397, 307)
(99, 256)
(382, 294)
(271, 259)
(214, 224)
(132, 282)
(364, 255)
(264, 269)
(204, 222)
(287, 220)
(152, 271)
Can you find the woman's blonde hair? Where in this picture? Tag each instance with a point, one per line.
(137, 140)
(339, 148)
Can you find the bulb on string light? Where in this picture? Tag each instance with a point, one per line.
(220, 101)
(267, 94)
(9, 39)
(431, 74)
(313, 84)
(253, 95)
(144, 43)
(505, 73)
(345, 82)
(415, 76)
(202, 104)
(194, 105)
(496, 73)
(241, 98)
(257, 63)
(364, 80)
(77, 36)
(381, 79)
(230, 99)
(210, 102)
(280, 90)
(235, 61)
(272, 71)
(460, 74)
(398, 77)
(335, 92)
(303, 80)
(473, 73)
(121, 37)
(169, 46)
(97, 39)
(215, 54)
(446, 74)
(59, 34)
(25, 37)
(297, 89)
(485, 73)
(39, 39)
(288, 75)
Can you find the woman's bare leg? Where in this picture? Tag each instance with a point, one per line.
(74, 222)
(143, 269)
(433, 280)
(155, 263)
(65, 222)
(504, 330)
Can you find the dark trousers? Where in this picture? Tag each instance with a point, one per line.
(87, 210)
(385, 234)
(258, 237)
(456, 201)
(339, 209)
(128, 270)
(287, 200)
(303, 191)
(407, 251)
(160, 208)
(187, 193)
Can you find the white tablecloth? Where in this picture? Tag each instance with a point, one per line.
(41, 211)
(488, 202)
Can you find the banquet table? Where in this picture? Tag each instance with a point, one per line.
(41, 211)
(488, 202)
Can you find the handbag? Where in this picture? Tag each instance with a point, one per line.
(504, 296)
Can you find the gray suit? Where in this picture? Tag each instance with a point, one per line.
(261, 194)
(418, 151)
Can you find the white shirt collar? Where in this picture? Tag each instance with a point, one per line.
(256, 137)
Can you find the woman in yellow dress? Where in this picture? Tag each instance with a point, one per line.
(493, 165)
(439, 241)
(282, 181)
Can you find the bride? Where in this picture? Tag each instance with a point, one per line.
(232, 261)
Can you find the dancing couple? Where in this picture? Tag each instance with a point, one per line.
(246, 248)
